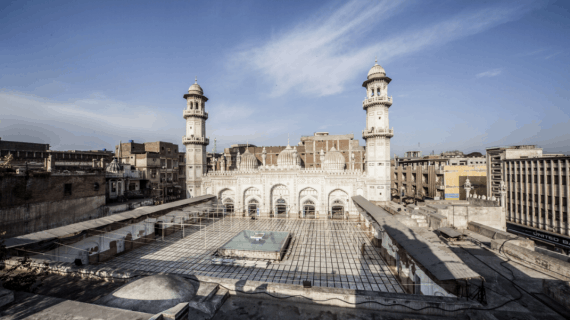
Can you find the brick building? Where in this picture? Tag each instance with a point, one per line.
(159, 162)
(38, 155)
(418, 177)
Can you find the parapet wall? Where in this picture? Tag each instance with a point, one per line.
(531, 257)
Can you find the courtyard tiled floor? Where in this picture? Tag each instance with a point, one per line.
(326, 252)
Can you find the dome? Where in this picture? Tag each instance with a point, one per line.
(288, 157)
(248, 161)
(334, 160)
(114, 166)
(152, 294)
(376, 70)
(196, 89)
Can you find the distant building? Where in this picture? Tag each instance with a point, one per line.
(537, 198)
(495, 156)
(435, 176)
(38, 155)
(124, 182)
(158, 163)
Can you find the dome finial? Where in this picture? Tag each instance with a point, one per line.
(376, 59)
(287, 139)
(196, 80)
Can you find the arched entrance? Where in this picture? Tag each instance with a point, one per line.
(229, 205)
(337, 210)
(252, 206)
(309, 209)
(280, 208)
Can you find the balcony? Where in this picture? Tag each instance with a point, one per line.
(195, 113)
(377, 132)
(195, 140)
(376, 100)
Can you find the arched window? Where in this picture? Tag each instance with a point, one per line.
(197, 105)
(378, 91)
(191, 105)
(372, 93)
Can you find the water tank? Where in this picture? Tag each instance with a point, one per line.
(131, 141)
(104, 150)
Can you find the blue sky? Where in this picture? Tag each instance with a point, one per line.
(466, 74)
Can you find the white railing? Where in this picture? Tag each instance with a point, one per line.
(378, 131)
(199, 140)
(377, 99)
(201, 113)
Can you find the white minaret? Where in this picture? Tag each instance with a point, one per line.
(195, 139)
(377, 134)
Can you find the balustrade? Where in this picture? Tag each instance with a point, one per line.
(195, 140)
(376, 99)
(199, 113)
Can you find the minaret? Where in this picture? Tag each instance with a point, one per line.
(195, 139)
(377, 134)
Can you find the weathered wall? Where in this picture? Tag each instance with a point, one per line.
(460, 216)
(530, 257)
(493, 233)
(474, 202)
(36, 217)
(16, 190)
(129, 206)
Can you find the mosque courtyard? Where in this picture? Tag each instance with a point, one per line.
(327, 253)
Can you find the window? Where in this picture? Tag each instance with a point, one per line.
(96, 186)
(67, 189)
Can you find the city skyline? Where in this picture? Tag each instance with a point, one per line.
(467, 77)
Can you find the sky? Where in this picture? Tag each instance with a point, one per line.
(466, 75)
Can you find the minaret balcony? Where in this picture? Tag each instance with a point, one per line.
(389, 133)
(195, 140)
(376, 100)
(195, 113)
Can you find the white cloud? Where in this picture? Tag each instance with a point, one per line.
(318, 57)
(489, 73)
(69, 124)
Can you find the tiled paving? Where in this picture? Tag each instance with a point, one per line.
(326, 252)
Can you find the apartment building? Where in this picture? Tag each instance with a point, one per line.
(159, 162)
(495, 157)
(537, 198)
(418, 177)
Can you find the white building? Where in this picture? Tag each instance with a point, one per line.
(289, 189)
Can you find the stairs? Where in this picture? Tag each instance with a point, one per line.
(420, 219)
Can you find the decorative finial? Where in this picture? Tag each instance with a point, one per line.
(196, 81)
(376, 59)
(287, 139)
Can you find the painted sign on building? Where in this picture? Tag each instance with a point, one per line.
(555, 239)
(455, 176)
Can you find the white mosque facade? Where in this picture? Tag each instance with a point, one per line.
(289, 189)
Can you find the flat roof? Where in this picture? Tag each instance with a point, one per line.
(444, 265)
(95, 223)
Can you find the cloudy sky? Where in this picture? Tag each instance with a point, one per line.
(466, 74)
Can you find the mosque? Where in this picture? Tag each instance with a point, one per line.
(315, 179)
